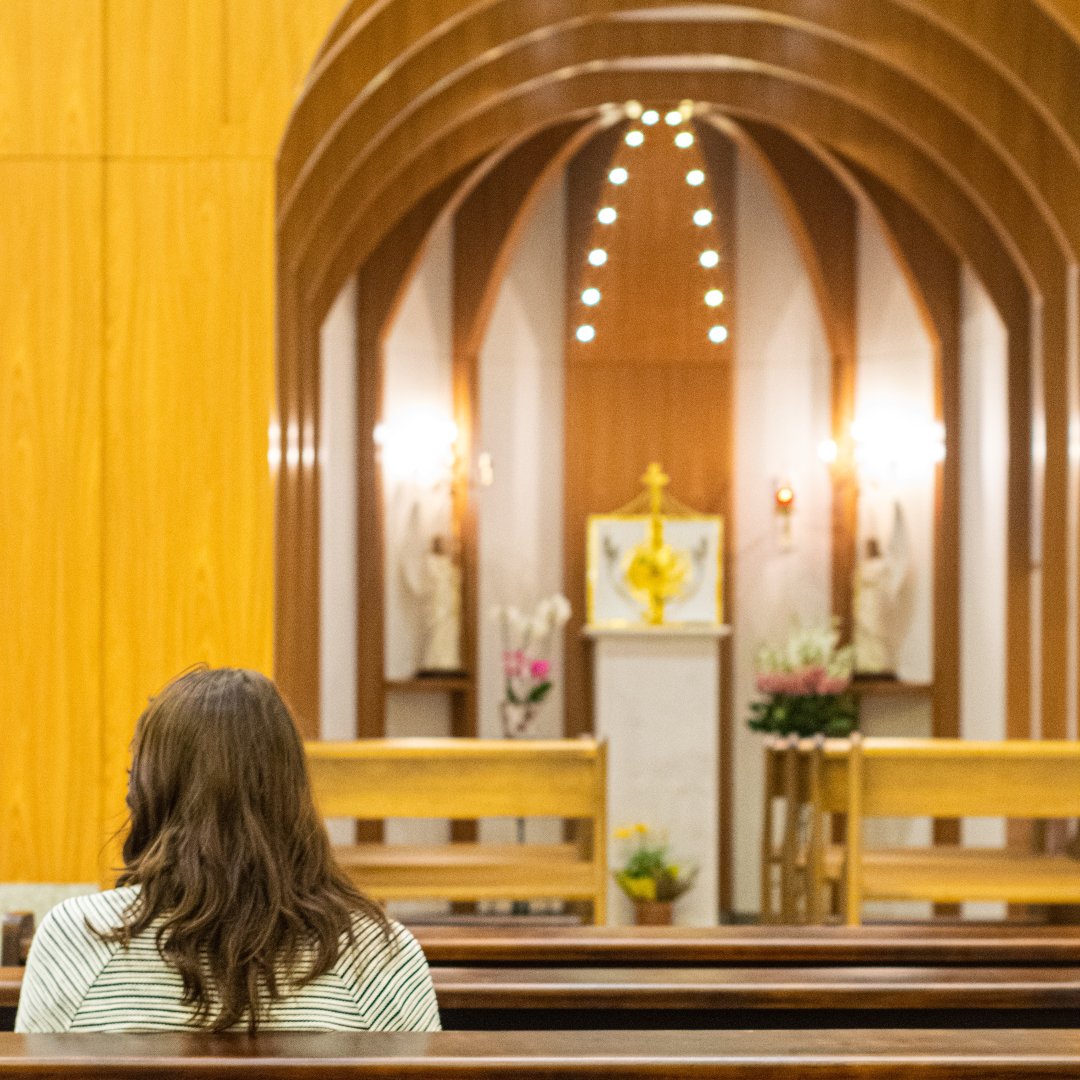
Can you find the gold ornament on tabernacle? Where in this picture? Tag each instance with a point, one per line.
(674, 559)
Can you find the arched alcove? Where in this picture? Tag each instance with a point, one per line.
(402, 122)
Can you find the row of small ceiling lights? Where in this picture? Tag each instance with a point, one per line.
(608, 215)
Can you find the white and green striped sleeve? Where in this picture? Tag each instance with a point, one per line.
(65, 959)
(391, 980)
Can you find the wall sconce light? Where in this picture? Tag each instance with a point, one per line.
(783, 507)
(418, 446)
(880, 449)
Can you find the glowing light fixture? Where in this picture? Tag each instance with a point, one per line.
(597, 257)
(418, 445)
(650, 117)
(684, 140)
(709, 259)
(703, 218)
(674, 118)
(633, 109)
(718, 335)
(714, 298)
(695, 178)
(586, 333)
(635, 137)
(618, 176)
(607, 216)
(828, 451)
(590, 297)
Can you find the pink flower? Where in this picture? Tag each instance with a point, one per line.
(540, 669)
(810, 678)
(834, 685)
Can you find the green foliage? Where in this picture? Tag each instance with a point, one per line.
(833, 715)
(648, 872)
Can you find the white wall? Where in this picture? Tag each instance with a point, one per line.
(521, 426)
(337, 529)
(983, 525)
(521, 412)
(895, 391)
(782, 412)
(417, 376)
(337, 519)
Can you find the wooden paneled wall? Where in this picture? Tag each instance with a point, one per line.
(137, 147)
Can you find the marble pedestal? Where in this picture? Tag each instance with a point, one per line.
(656, 699)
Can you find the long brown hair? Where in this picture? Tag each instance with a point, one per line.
(228, 849)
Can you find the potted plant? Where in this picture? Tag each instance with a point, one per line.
(807, 685)
(649, 877)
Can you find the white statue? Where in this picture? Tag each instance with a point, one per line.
(438, 586)
(879, 578)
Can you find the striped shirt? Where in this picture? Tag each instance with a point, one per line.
(74, 981)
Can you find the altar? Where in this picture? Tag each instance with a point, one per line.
(656, 700)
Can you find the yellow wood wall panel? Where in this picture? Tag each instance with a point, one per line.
(167, 89)
(50, 77)
(197, 78)
(189, 389)
(50, 518)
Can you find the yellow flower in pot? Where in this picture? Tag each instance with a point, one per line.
(649, 877)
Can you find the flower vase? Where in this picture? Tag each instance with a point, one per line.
(653, 912)
(516, 718)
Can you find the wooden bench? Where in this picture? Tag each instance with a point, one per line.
(611, 998)
(940, 778)
(623, 997)
(556, 1055)
(467, 779)
(16, 932)
(684, 946)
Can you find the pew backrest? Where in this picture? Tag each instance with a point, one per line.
(460, 779)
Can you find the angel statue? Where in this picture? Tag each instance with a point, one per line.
(435, 579)
(879, 579)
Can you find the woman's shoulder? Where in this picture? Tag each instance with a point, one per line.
(389, 975)
(79, 916)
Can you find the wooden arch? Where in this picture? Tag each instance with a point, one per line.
(938, 104)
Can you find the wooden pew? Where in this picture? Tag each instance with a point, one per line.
(718, 998)
(684, 946)
(465, 779)
(16, 931)
(503, 998)
(564, 1055)
(941, 778)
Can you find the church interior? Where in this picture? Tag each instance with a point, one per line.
(641, 441)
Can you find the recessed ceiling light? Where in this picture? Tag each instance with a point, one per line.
(607, 216)
(714, 298)
(695, 178)
(618, 176)
(650, 117)
(635, 137)
(674, 118)
(590, 297)
(586, 333)
(703, 217)
(709, 259)
(597, 257)
(718, 335)
(684, 140)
